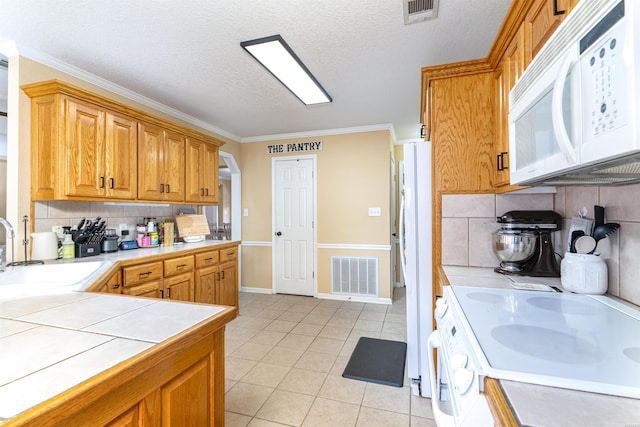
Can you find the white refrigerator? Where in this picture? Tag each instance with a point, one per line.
(415, 247)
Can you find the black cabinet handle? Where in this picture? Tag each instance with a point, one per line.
(201, 191)
(222, 274)
(555, 9)
(168, 293)
(168, 188)
(102, 182)
(500, 161)
(112, 182)
(162, 188)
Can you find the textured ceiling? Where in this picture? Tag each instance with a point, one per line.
(186, 55)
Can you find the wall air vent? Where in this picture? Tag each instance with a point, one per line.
(419, 10)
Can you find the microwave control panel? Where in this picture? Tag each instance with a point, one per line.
(604, 93)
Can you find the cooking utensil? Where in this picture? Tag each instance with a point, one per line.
(598, 215)
(512, 247)
(605, 230)
(585, 244)
(575, 235)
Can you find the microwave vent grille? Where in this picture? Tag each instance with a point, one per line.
(584, 15)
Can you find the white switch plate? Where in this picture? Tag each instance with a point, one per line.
(58, 230)
(245, 212)
(375, 211)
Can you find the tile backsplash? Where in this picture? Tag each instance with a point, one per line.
(63, 213)
(468, 220)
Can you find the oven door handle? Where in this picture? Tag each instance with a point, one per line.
(441, 418)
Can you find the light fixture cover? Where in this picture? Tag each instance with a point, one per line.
(276, 56)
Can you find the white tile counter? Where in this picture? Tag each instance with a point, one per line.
(549, 406)
(54, 338)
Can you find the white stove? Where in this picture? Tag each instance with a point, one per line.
(578, 342)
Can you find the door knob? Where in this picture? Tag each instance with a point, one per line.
(279, 233)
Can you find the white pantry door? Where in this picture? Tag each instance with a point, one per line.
(293, 215)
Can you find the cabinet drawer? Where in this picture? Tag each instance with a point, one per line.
(151, 289)
(178, 265)
(228, 254)
(142, 273)
(206, 259)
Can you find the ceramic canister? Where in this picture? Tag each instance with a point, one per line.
(45, 246)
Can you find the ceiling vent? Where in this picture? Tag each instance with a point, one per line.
(419, 10)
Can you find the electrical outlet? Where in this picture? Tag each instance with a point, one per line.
(58, 230)
(375, 211)
(245, 212)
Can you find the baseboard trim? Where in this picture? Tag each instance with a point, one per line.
(256, 290)
(355, 298)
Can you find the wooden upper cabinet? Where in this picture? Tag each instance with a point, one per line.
(543, 19)
(161, 159)
(88, 147)
(202, 172)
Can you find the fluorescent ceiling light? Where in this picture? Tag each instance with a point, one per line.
(276, 56)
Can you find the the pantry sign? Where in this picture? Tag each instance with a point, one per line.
(294, 147)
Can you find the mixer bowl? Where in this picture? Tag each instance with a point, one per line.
(512, 246)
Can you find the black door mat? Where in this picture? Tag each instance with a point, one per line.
(377, 361)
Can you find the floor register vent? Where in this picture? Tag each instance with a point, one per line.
(354, 275)
(419, 10)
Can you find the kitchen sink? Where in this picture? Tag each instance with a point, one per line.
(22, 281)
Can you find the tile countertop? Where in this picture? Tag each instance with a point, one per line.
(54, 340)
(549, 406)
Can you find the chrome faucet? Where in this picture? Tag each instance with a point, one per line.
(10, 235)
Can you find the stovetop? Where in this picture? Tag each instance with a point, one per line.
(582, 342)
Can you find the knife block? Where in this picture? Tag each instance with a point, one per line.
(87, 249)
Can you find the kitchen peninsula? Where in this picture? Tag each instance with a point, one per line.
(72, 357)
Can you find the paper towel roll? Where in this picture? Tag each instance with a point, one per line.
(45, 245)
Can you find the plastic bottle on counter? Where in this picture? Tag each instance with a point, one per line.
(68, 247)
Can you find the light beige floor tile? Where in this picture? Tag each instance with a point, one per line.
(330, 303)
(246, 399)
(374, 417)
(368, 325)
(375, 307)
(320, 362)
(345, 390)
(281, 326)
(396, 318)
(286, 407)
(256, 422)
(231, 345)
(350, 305)
(228, 384)
(292, 316)
(283, 356)
(398, 328)
(372, 315)
(241, 334)
(339, 365)
(422, 422)
(269, 338)
(282, 306)
(335, 332)
(303, 381)
(395, 399)
(347, 314)
(266, 374)
(324, 311)
(250, 322)
(394, 336)
(421, 407)
(235, 368)
(235, 420)
(298, 342)
(342, 322)
(348, 347)
(331, 413)
(356, 334)
(268, 313)
(252, 351)
(301, 308)
(316, 319)
(307, 329)
(326, 345)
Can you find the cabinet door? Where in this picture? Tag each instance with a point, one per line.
(114, 284)
(129, 418)
(150, 166)
(174, 167)
(84, 150)
(180, 287)
(544, 17)
(121, 154)
(187, 400)
(228, 286)
(194, 190)
(151, 289)
(206, 284)
(210, 173)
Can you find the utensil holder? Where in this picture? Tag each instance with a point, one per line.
(87, 249)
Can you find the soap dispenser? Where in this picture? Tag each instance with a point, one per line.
(68, 247)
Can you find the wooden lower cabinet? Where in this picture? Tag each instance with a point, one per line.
(176, 383)
(179, 288)
(228, 288)
(151, 289)
(206, 285)
(217, 283)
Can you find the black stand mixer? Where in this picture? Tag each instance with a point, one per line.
(524, 245)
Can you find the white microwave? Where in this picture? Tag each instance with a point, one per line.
(575, 111)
